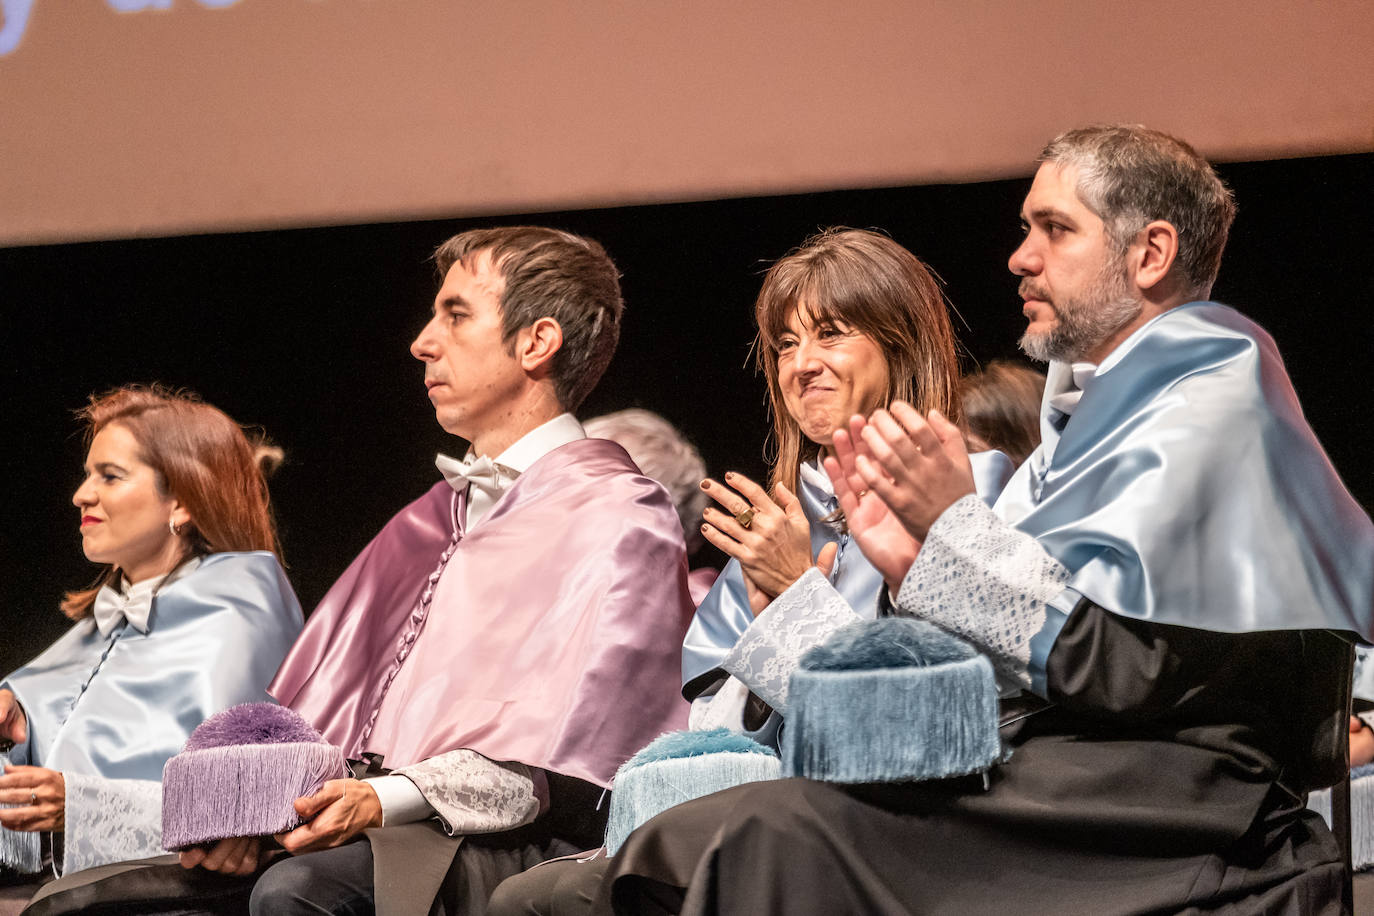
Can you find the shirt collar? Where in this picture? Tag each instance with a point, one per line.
(538, 442)
(812, 473)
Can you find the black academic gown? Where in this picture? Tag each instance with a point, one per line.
(1165, 772)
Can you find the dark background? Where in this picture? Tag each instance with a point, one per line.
(305, 333)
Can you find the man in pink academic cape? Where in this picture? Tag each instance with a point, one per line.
(509, 638)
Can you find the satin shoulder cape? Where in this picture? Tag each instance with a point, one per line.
(119, 707)
(1186, 487)
(555, 645)
(724, 614)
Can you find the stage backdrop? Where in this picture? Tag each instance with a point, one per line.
(305, 332)
(130, 118)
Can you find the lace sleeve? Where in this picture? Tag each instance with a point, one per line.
(110, 820)
(769, 651)
(983, 580)
(472, 794)
(722, 709)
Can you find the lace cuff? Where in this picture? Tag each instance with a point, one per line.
(110, 820)
(770, 649)
(472, 794)
(983, 580)
(722, 709)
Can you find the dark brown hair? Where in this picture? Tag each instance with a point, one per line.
(551, 274)
(868, 282)
(202, 459)
(1002, 407)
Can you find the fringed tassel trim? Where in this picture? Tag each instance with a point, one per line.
(20, 851)
(645, 791)
(892, 725)
(244, 790)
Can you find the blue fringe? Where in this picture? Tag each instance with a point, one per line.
(900, 701)
(648, 788)
(694, 744)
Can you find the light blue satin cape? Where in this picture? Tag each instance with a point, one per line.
(1186, 488)
(120, 706)
(724, 614)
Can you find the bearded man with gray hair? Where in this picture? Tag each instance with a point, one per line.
(1169, 589)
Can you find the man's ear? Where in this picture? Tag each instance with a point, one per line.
(1153, 253)
(536, 345)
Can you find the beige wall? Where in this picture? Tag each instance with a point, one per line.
(267, 113)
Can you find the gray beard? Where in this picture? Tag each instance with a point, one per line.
(1084, 323)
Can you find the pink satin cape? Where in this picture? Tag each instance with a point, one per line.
(553, 640)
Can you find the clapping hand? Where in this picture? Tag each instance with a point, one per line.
(770, 538)
(882, 538)
(917, 465)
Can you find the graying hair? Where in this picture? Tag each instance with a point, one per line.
(664, 454)
(1130, 175)
(551, 274)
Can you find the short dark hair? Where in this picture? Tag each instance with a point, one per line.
(1130, 175)
(551, 274)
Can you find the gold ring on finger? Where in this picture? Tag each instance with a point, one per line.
(746, 518)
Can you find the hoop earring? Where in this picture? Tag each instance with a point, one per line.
(172, 527)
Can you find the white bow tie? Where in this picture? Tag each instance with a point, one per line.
(113, 607)
(481, 472)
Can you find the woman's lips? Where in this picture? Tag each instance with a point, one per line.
(88, 520)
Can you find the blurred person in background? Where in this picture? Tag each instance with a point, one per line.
(1002, 408)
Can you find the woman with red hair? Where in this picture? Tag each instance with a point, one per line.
(191, 614)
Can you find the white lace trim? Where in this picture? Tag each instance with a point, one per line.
(472, 794)
(770, 650)
(722, 709)
(983, 580)
(110, 820)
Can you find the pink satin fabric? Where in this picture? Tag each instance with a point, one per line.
(553, 638)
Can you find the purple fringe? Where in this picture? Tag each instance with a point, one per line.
(244, 790)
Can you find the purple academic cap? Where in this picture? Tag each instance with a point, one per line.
(239, 774)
